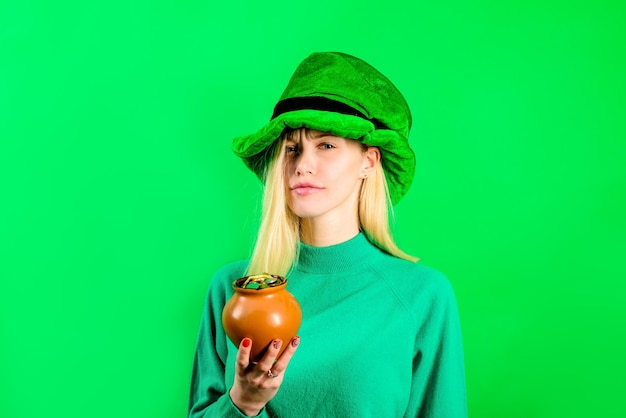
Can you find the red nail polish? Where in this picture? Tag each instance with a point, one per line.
(276, 344)
(246, 342)
(295, 341)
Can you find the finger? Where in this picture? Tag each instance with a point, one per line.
(269, 358)
(284, 359)
(243, 356)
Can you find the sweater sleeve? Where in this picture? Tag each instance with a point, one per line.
(209, 394)
(438, 384)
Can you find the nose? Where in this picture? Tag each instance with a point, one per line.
(305, 163)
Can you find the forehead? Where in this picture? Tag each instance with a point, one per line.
(309, 134)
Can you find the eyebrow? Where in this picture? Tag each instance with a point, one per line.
(310, 136)
(320, 135)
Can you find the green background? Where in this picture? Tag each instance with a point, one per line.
(120, 196)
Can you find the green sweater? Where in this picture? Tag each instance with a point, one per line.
(380, 337)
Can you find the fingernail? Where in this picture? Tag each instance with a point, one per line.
(276, 344)
(246, 342)
(295, 341)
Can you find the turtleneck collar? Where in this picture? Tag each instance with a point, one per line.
(348, 255)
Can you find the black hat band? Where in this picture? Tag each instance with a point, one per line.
(319, 103)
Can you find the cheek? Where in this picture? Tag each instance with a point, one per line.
(288, 168)
(348, 169)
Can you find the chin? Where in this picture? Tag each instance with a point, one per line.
(306, 213)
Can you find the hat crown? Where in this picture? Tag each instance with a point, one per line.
(344, 78)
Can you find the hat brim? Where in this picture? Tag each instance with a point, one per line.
(398, 159)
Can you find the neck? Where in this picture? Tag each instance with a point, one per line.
(322, 233)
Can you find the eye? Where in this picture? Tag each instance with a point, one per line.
(326, 145)
(291, 150)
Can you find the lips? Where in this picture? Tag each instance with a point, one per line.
(305, 189)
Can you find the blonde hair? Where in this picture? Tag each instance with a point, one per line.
(375, 209)
(278, 239)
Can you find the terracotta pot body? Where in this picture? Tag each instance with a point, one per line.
(262, 315)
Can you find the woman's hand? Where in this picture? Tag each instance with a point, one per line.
(256, 384)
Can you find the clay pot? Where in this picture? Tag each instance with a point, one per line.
(263, 315)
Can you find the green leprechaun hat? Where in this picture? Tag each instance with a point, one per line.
(341, 94)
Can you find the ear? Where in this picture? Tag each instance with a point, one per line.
(371, 158)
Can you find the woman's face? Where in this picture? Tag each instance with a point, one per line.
(324, 174)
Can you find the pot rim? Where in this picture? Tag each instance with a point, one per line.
(258, 291)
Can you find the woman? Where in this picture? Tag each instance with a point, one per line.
(380, 332)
